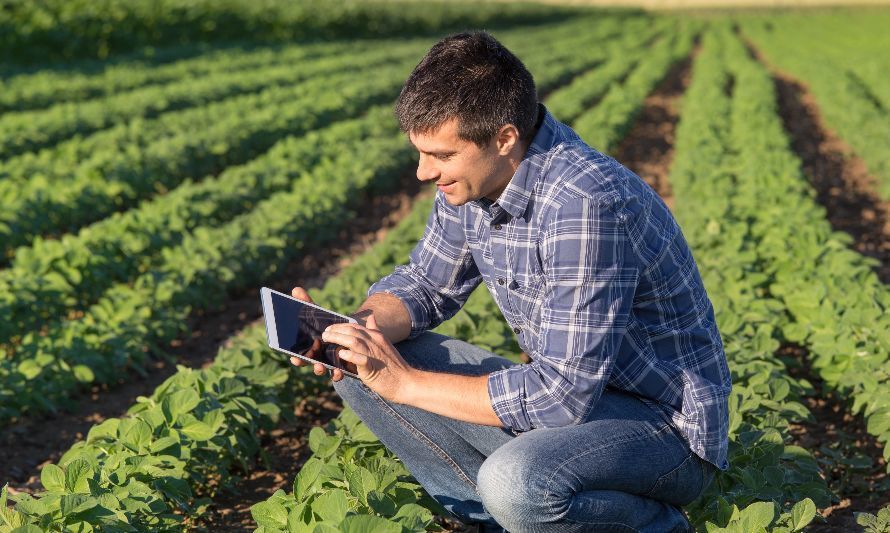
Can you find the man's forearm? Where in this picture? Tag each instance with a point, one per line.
(390, 313)
(455, 396)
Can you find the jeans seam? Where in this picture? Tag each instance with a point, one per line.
(549, 492)
(425, 439)
(668, 473)
(630, 527)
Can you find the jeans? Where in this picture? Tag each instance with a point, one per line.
(625, 469)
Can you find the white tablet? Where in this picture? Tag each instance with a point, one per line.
(294, 327)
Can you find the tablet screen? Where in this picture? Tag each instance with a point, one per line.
(297, 326)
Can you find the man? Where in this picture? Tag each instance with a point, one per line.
(621, 416)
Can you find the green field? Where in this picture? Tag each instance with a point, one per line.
(147, 149)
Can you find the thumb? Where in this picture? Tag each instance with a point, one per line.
(372, 322)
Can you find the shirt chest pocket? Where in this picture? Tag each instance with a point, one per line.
(526, 295)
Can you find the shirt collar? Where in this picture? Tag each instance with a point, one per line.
(514, 199)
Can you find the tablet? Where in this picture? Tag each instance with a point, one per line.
(294, 326)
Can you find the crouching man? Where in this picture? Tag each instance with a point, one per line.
(621, 416)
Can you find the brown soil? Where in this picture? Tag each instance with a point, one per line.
(842, 182)
(835, 431)
(648, 149)
(27, 446)
(285, 450)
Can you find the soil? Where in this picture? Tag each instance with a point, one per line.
(834, 430)
(841, 180)
(648, 149)
(25, 447)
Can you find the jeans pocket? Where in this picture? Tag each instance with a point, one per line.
(681, 485)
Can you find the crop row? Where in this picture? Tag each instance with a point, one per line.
(66, 29)
(78, 182)
(606, 123)
(93, 346)
(32, 130)
(132, 319)
(42, 88)
(832, 302)
(52, 277)
(765, 400)
(845, 101)
(192, 143)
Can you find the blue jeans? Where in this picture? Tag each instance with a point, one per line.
(626, 469)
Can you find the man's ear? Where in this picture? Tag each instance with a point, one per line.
(506, 138)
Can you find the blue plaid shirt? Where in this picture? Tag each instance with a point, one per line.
(591, 271)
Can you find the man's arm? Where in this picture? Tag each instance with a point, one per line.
(390, 314)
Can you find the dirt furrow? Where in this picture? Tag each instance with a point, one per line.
(841, 180)
(27, 446)
(850, 457)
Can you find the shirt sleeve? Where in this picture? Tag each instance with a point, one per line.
(440, 275)
(590, 279)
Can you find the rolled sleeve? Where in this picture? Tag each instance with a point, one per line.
(591, 276)
(440, 275)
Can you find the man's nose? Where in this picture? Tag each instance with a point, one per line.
(426, 171)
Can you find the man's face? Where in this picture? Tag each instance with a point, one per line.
(461, 169)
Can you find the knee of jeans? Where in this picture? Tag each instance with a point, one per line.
(513, 488)
(351, 390)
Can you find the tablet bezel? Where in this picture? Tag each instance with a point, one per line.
(272, 327)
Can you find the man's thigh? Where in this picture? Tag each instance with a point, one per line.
(625, 447)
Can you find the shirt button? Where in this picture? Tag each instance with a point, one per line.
(497, 227)
(517, 330)
(501, 281)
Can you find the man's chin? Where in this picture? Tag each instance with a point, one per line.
(454, 199)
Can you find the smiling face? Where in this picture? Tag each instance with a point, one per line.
(462, 170)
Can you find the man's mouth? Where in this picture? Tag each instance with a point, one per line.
(446, 187)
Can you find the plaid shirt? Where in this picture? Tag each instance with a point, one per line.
(590, 269)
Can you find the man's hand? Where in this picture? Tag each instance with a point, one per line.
(317, 349)
(380, 365)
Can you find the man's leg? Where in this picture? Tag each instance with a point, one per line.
(624, 470)
(442, 453)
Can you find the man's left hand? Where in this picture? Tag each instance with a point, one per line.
(380, 365)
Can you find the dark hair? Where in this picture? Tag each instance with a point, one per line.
(475, 79)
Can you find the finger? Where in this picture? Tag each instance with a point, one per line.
(296, 361)
(319, 369)
(350, 340)
(358, 359)
(337, 375)
(300, 294)
(354, 330)
(372, 322)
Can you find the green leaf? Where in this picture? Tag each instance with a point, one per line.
(381, 504)
(802, 514)
(181, 401)
(316, 435)
(304, 484)
(270, 514)
(83, 374)
(77, 473)
(198, 431)
(53, 477)
(369, 524)
(77, 503)
(414, 517)
(331, 506)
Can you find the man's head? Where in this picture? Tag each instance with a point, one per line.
(470, 108)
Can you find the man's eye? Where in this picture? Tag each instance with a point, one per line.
(443, 157)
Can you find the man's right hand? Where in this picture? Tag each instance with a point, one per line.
(315, 352)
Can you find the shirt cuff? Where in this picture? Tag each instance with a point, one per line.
(507, 394)
(418, 313)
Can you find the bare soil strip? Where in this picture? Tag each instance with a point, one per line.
(648, 149)
(842, 182)
(850, 457)
(29, 445)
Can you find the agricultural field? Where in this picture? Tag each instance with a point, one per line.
(159, 162)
